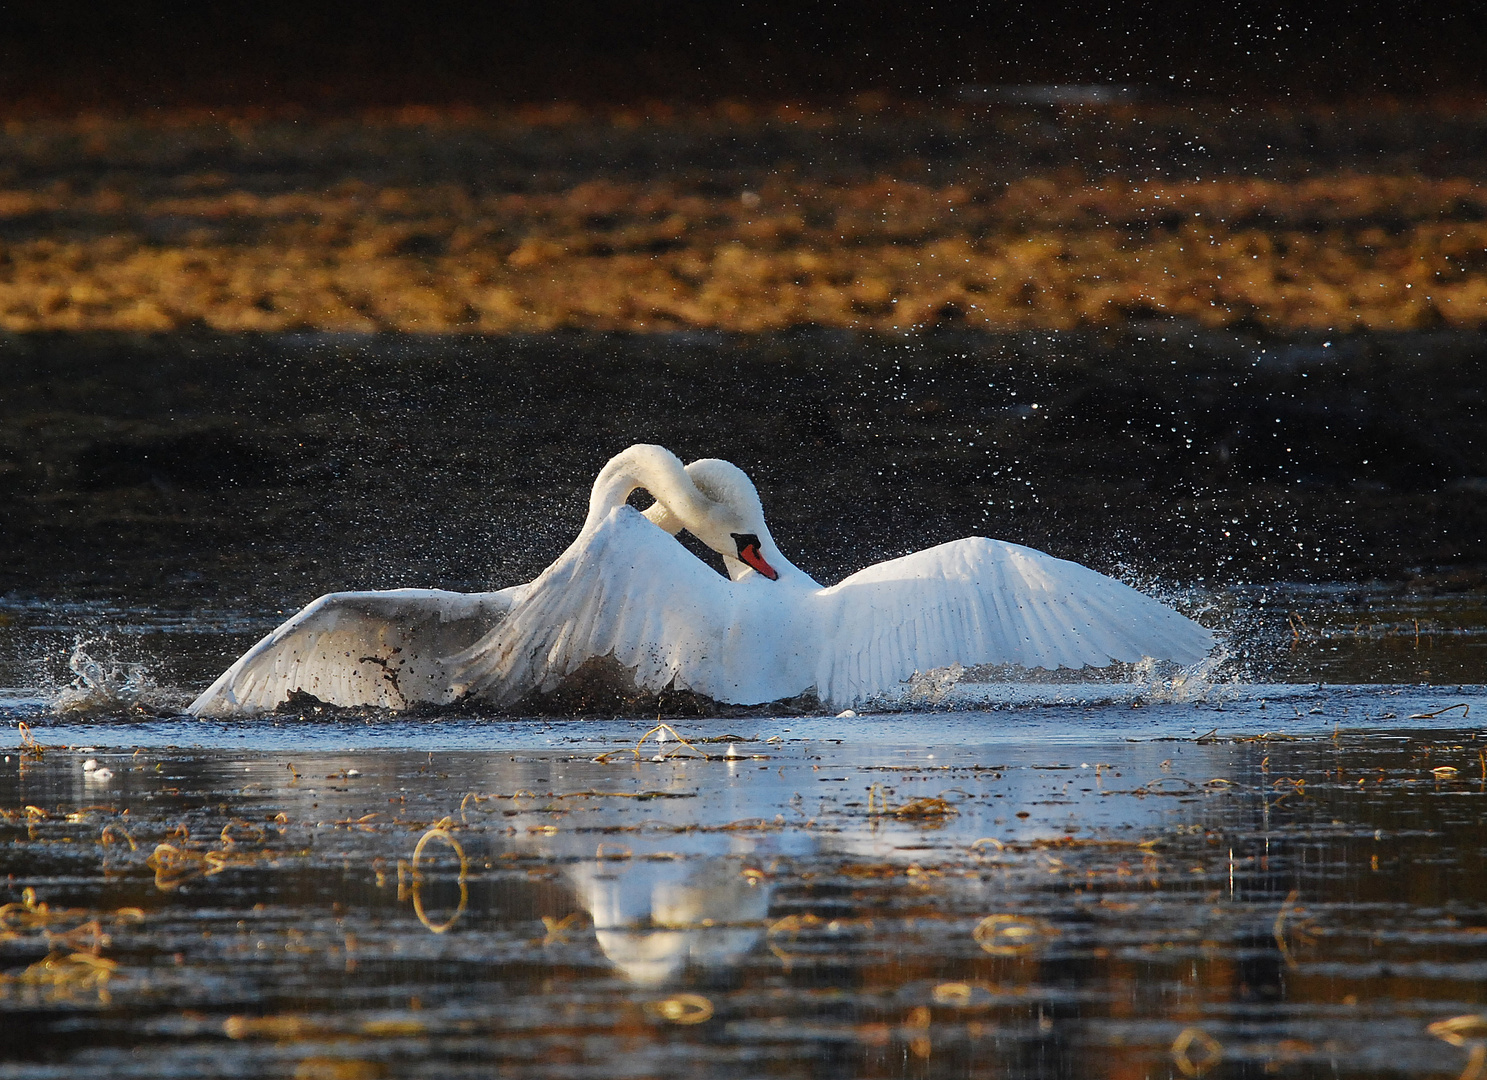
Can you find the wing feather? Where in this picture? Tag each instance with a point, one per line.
(979, 601)
(628, 590)
(359, 648)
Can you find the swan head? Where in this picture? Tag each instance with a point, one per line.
(712, 499)
(734, 526)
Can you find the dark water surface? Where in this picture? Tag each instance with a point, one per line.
(801, 897)
(242, 472)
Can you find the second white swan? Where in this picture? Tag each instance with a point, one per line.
(626, 589)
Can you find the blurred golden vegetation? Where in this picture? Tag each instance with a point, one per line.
(207, 248)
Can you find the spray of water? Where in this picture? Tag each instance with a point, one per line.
(105, 687)
(1214, 680)
(1211, 680)
(930, 688)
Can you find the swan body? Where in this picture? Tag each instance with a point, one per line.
(627, 590)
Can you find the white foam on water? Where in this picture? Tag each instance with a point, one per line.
(1212, 681)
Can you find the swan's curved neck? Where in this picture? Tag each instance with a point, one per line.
(660, 472)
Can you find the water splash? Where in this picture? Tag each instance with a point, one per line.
(1215, 680)
(1211, 680)
(105, 687)
(931, 688)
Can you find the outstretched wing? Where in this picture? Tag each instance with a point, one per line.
(359, 648)
(628, 590)
(979, 601)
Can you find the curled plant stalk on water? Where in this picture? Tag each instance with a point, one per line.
(1469, 1031)
(683, 1009)
(1194, 1051)
(63, 978)
(31, 750)
(413, 873)
(926, 807)
(1013, 935)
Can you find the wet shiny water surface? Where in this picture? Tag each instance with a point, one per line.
(1284, 880)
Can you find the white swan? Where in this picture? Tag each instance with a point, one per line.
(625, 589)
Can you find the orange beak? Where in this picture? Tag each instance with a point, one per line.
(749, 553)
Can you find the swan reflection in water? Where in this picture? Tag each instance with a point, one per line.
(654, 917)
(698, 884)
(627, 593)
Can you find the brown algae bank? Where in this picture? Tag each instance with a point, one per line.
(893, 896)
(746, 219)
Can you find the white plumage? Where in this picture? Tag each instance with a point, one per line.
(627, 590)
(359, 648)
